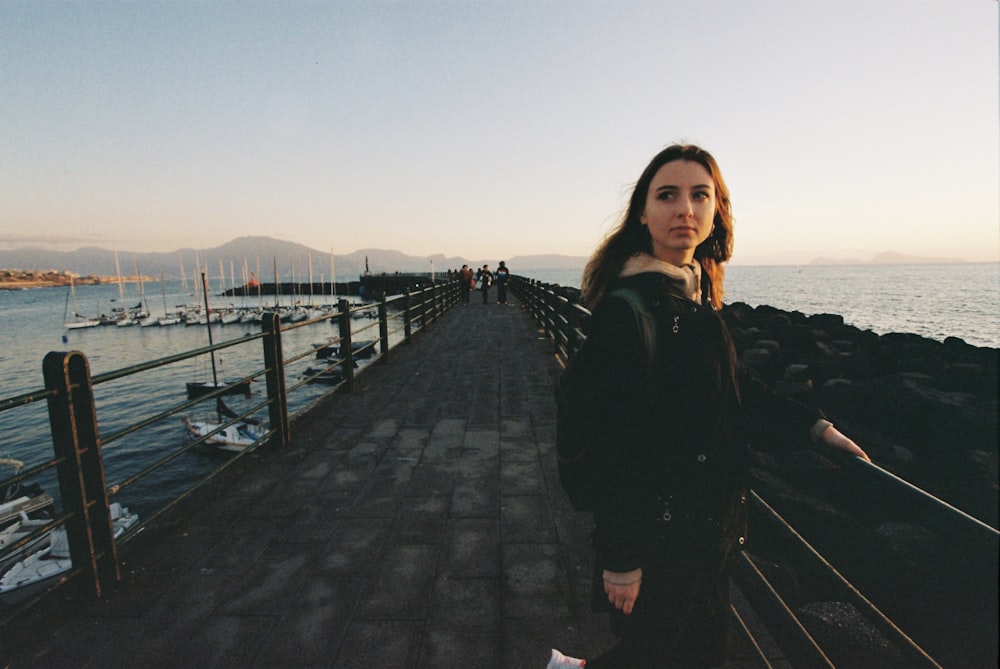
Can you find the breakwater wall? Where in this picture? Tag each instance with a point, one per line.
(368, 286)
(925, 409)
(926, 412)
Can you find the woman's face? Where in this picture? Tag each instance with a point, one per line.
(680, 208)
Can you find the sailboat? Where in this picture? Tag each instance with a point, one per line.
(201, 388)
(168, 318)
(77, 320)
(235, 437)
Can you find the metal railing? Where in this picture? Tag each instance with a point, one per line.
(77, 442)
(862, 484)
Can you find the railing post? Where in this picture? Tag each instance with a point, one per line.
(533, 298)
(423, 308)
(406, 315)
(346, 347)
(274, 362)
(383, 327)
(82, 484)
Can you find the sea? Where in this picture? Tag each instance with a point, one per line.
(933, 300)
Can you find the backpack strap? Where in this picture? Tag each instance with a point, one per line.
(643, 318)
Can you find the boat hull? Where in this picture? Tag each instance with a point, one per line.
(197, 389)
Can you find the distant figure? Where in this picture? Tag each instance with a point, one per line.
(484, 278)
(465, 281)
(502, 275)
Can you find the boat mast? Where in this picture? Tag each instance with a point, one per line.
(312, 300)
(208, 325)
(277, 286)
(163, 289)
(66, 307)
(142, 288)
(121, 283)
(184, 279)
(260, 293)
(333, 277)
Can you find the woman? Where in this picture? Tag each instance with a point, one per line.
(675, 423)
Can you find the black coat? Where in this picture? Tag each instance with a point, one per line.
(675, 431)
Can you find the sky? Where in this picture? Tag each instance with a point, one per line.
(492, 129)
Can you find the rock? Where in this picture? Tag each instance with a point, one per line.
(848, 637)
(927, 412)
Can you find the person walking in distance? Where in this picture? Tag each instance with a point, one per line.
(484, 278)
(501, 276)
(465, 281)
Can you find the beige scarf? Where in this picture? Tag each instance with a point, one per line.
(687, 277)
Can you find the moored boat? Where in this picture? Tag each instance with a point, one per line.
(19, 499)
(235, 438)
(49, 555)
(331, 375)
(197, 389)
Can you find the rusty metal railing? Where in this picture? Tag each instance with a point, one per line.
(561, 319)
(74, 423)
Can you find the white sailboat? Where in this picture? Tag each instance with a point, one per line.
(76, 321)
(234, 438)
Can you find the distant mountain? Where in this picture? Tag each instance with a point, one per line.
(886, 258)
(267, 254)
(545, 262)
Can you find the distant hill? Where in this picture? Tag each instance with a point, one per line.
(266, 253)
(518, 263)
(886, 258)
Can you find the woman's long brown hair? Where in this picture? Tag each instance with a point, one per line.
(630, 236)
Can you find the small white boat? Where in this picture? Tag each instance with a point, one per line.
(17, 499)
(49, 555)
(81, 322)
(234, 438)
(23, 505)
(13, 533)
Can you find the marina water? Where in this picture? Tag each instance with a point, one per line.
(33, 326)
(934, 301)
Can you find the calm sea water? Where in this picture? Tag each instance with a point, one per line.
(33, 326)
(934, 301)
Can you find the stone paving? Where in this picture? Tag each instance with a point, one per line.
(415, 523)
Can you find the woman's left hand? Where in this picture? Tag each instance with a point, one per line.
(834, 438)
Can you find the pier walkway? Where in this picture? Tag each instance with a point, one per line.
(417, 522)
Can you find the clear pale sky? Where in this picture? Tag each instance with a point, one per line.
(489, 129)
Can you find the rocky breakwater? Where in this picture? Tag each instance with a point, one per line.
(925, 411)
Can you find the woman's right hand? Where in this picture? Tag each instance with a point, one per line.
(622, 595)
